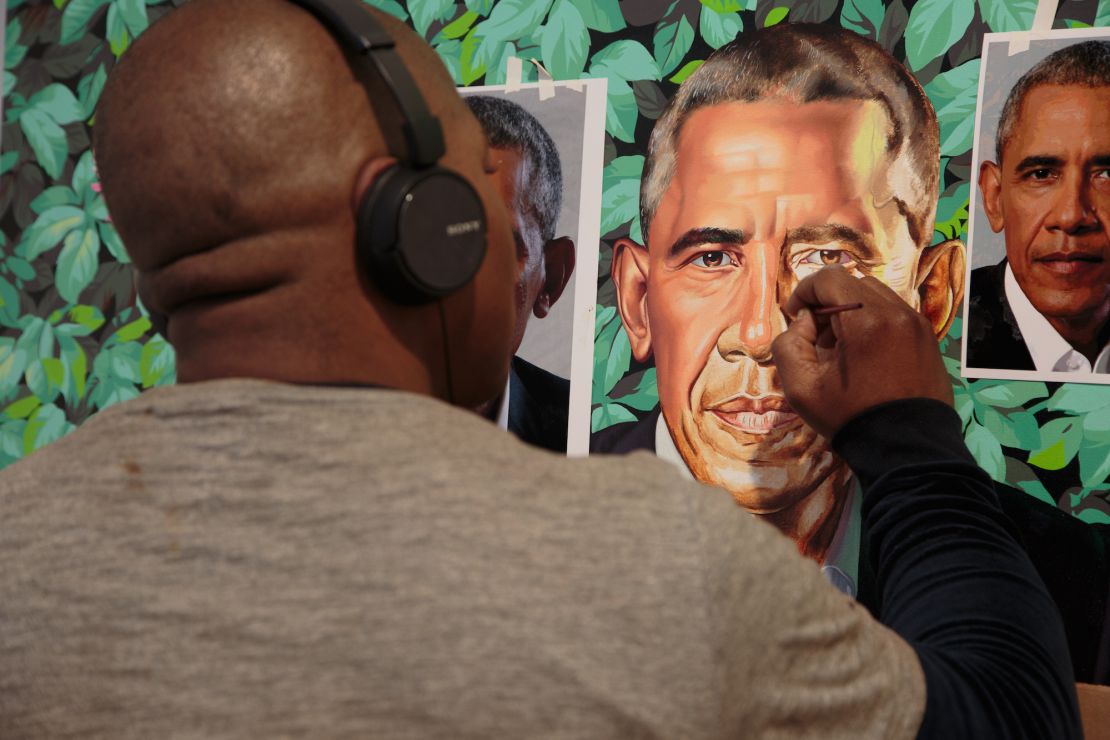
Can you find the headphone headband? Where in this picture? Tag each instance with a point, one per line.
(361, 34)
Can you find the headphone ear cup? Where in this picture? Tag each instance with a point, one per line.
(421, 233)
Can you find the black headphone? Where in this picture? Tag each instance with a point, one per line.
(421, 228)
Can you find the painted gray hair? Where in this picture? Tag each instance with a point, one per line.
(509, 126)
(803, 63)
(1086, 64)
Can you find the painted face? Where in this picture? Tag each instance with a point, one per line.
(511, 173)
(763, 194)
(1054, 202)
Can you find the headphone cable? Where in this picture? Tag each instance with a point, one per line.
(446, 352)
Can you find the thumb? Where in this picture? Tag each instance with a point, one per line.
(795, 350)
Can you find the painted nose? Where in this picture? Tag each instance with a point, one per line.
(1073, 212)
(756, 308)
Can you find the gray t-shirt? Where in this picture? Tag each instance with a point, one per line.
(251, 559)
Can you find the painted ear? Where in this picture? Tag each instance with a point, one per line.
(630, 274)
(558, 265)
(990, 190)
(940, 283)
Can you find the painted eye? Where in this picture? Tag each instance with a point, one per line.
(713, 259)
(825, 257)
(1041, 174)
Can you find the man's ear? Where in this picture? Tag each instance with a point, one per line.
(558, 265)
(940, 283)
(630, 276)
(990, 190)
(370, 171)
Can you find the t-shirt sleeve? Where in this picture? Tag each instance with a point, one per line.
(954, 582)
(794, 656)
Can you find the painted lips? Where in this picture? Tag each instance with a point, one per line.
(1069, 263)
(755, 415)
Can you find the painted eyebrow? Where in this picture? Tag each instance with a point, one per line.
(829, 233)
(705, 235)
(1099, 160)
(1039, 160)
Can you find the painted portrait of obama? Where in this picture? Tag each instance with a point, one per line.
(791, 148)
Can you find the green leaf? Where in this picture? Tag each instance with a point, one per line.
(13, 50)
(76, 16)
(624, 61)
(1018, 429)
(986, 450)
(58, 195)
(497, 72)
(1102, 14)
(609, 414)
(77, 364)
(934, 26)
(134, 16)
(602, 349)
(47, 140)
(865, 17)
(1037, 490)
(424, 12)
(89, 317)
(1096, 426)
(49, 229)
(77, 262)
(1008, 15)
(22, 408)
(8, 160)
(118, 37)
(508, 21)
(13, 363)
(46, 425)
(601, 15)
(472, 67)
(1094, 464)
(953, 95)
(89, 89)
(775, 16)
(1008, 393)
(481, 7)
(110, 237)
(565, 42)
(620, 356)
(392, 7)
(620, 199)
(605, 314)
(672, 41)
(687, 69)
(963, 403)
(952, 214)
(156, 365)
(1079, 399)
(457, 28)
(131, 331)
(621, 111)
(728, 6)
(1093, 516)
(718, 28)
(646, 395)
(1060, 439)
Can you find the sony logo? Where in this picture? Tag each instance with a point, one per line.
(463, 227)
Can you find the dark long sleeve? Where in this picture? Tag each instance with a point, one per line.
(954, 582)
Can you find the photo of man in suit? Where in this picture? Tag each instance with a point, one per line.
(524, 162)
(793, 147)
(1046, 306)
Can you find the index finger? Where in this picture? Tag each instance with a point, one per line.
(829, 286)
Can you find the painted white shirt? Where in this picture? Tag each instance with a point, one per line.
(841, 565)
(503, 408)
(1050, 351)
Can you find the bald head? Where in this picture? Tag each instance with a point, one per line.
(233, 142)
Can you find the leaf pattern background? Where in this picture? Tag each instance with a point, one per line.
(73, 339)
